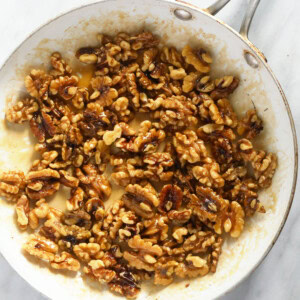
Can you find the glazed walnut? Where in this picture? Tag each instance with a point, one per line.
(151, 130)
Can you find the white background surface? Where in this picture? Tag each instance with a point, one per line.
(276, 31)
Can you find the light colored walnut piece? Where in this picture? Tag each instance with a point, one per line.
(193, 266)
(220, 112)
(264, 164)
(189, 81)
(40, 211)
(146, 140)
(175, 112)
(41, 247)
(22, 211)
(86, 251)
(188, 147)
(11, 184)
(140, 200)
(138, 244)
(22, 111)
(209, 175)
(59, 65)
(65, 261)
(164, 270)
(157, 166)
(199, 60)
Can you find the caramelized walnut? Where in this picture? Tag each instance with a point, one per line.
(224, 87)
(189, 148)
(170, 198)
(22, 111)
(200, 60)
(11, 184)
(251, 125)
(141, 200)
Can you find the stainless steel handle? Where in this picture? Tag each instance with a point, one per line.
(216, 7)
(248, 18)
(252, 5)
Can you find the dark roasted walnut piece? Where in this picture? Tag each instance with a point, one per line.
(155, 165)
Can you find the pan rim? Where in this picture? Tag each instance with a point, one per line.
(258, 55)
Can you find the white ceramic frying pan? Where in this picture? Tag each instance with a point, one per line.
(178, 23)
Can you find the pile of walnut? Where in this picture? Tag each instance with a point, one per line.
(191, 141)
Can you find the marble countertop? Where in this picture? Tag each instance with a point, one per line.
(275, 30)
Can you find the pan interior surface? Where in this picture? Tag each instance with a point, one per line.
(257, 88)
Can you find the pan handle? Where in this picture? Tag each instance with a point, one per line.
(252, 5)
(244, 30)
(216, 7)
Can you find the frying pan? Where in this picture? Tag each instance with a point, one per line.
(177, 23)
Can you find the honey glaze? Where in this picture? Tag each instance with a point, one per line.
(84, 74)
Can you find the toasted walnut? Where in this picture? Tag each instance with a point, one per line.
(171, 56)
(264, 164)
(224, 87)
(40, 211)
(41, 247)
(121, 107)
(110, 136)
(156, 229)
(60, 67)
(65, 261)
(199, 60)
(245, 193)
(22, 210)
(199, 242)
(11, 184)
(175, 112)
(22, 111)
(233, 173)
(220, 112)
(37, 84)
(64, 86)
(177, 74)
(68, 180)
(125, 282)
(86, 252)
(190, 81)
(207, 204)
(214, 256)
(140, 200)
(251, 125)
(209, 175)
(193, 266)
(170, 198)
(96, 185)
(81, 97)
(157, 166)
(164, 269)
(147, 139)
(182, 216)
(143, 40)
(188, 147)
(42, 183)
(179, 233)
